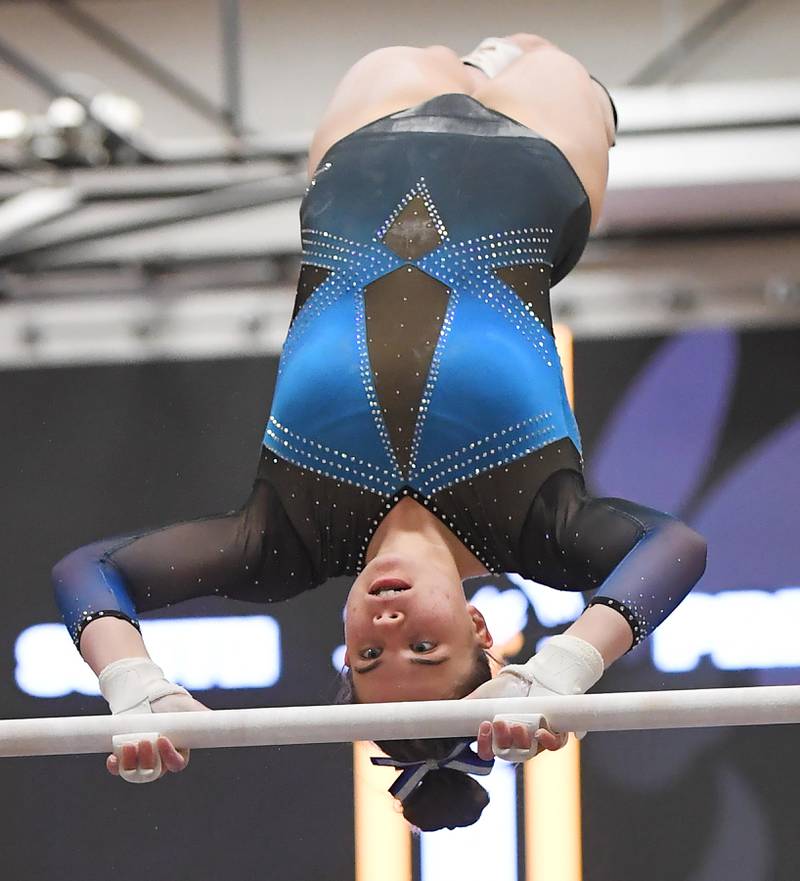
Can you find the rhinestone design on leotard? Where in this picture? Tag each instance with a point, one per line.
(411, 257)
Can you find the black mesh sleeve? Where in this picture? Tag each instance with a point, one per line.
(641, 562)
(251, 554)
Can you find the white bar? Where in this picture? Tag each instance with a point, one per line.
(767, 705)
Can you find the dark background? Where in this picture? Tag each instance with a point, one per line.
(91, 451)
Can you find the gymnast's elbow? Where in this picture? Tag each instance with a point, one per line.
(74, 575)
(692, 551)
(65, 581)
(65, 570)
(62, 573)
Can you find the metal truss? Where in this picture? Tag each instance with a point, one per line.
(677, 53)
(228, 118)
(121, 254)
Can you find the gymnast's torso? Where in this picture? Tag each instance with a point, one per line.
(419, 366)
(420, 361)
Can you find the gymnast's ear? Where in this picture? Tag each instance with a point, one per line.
(347, 658)
(481, 630)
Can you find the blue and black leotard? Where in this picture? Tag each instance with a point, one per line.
(420, 361)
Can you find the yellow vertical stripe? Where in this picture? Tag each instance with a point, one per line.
(551, 792)
(563, 337)
(552, 781)
(553, 815)
(382, 836)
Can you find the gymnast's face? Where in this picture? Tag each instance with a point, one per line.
(410, 633)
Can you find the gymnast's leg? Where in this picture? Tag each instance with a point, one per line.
(384, 82)
(552, 93)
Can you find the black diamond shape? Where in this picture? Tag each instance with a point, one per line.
(532, 286)
(412, 233)
(311, 277)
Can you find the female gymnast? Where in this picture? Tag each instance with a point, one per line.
(420, 432)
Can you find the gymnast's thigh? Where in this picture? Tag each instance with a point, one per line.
(552, 93)
(383, 82)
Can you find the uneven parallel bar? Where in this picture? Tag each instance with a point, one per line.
(767, 705)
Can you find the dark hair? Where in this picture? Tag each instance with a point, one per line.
(444, 798)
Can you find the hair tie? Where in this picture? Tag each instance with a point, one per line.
(461, 758)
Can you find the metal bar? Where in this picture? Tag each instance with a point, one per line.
(220, 201)
(140, 60)
(30, 70)
(36, 206)
(679, 50)
(273, 726)
(231, 65)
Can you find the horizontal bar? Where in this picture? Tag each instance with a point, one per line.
(767, 705)
(228, 199)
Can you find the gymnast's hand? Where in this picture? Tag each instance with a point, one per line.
(513, 741)
(516, 741)
(142, 756)
(137, 686)
(564, 665)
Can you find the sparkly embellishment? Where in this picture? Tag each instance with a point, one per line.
(505, 271)
(638, 624)
(420, 196)
(311, 278)
(295, 448)
(532, 286)
(385, 305)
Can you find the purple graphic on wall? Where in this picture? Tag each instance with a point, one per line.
(658, 447)
(659, 443)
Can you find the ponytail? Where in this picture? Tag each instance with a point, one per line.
(444, 798)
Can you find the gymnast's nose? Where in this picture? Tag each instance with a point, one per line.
(388, 618)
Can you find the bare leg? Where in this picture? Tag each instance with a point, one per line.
(386, 81)
(551, 92)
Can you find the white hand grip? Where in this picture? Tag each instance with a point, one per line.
(138, 775)
(533, 721)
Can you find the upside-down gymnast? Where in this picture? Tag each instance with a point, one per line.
(420, 433)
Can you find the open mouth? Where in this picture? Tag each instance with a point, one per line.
(387, 587)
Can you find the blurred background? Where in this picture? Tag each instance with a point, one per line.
(151, 166)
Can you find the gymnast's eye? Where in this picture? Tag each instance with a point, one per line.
(422, 646)
(370, 654)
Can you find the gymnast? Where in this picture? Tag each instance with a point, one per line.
(420, 432)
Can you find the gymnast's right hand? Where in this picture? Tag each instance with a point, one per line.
(137, 686)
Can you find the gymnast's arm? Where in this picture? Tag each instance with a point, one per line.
(641, 563)
(250, 554)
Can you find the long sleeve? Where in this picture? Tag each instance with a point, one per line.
(251, 554)
(641, 562)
